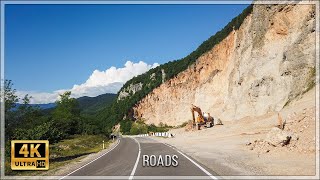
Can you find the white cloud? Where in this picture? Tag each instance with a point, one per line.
(100, 82)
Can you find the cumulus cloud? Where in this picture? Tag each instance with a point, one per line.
(99, 82)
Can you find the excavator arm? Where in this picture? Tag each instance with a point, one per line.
(200, 118)
(193, 118)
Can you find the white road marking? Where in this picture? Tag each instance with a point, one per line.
(92, 160)
(202, 169)
(137, 161)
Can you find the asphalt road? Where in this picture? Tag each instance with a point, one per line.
(126, 159)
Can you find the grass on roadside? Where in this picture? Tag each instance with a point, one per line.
(66, 151)
(182, 125)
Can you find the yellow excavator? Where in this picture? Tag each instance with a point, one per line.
(201, 120)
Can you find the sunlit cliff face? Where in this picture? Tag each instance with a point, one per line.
(257, 69)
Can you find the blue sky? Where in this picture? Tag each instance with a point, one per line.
(54, 47)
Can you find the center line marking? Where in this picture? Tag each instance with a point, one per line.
(196, 164)
(137, 161)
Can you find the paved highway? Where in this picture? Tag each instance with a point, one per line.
(127, 157)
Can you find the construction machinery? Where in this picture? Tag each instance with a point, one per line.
(151, 133)
(201, 120)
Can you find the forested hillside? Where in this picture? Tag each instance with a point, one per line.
(90, 105)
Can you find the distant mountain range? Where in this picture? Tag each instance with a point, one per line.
(86, 103)
(41, 106)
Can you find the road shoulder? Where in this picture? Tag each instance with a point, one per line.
(79, 162)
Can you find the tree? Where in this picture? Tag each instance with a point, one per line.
(67, 114)
(26, 114)
(10, 97)
(138, 128)
(44, 131)
(10, 100)
(125, 126)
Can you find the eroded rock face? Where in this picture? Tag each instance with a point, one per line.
(132, 89)
(163, 75)
(257, 69)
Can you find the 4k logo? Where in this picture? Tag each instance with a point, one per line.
(29, 155)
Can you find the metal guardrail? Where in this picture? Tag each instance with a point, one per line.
(158, 134)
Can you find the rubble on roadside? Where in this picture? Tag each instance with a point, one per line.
(296, 135)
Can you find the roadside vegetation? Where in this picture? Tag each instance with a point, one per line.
(63, 124)
(183, 124)
(66, 151)
(75, 146)
(128, 127)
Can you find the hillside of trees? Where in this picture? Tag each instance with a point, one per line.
(91, 105)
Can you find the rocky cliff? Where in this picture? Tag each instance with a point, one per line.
(259, 68)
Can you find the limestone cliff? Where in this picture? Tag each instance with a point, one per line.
(259, 68)
(132, 89)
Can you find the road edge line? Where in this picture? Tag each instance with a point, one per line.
(137, 161)
(92, 160)
(195, 163)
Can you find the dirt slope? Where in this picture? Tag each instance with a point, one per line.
(227, 149)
